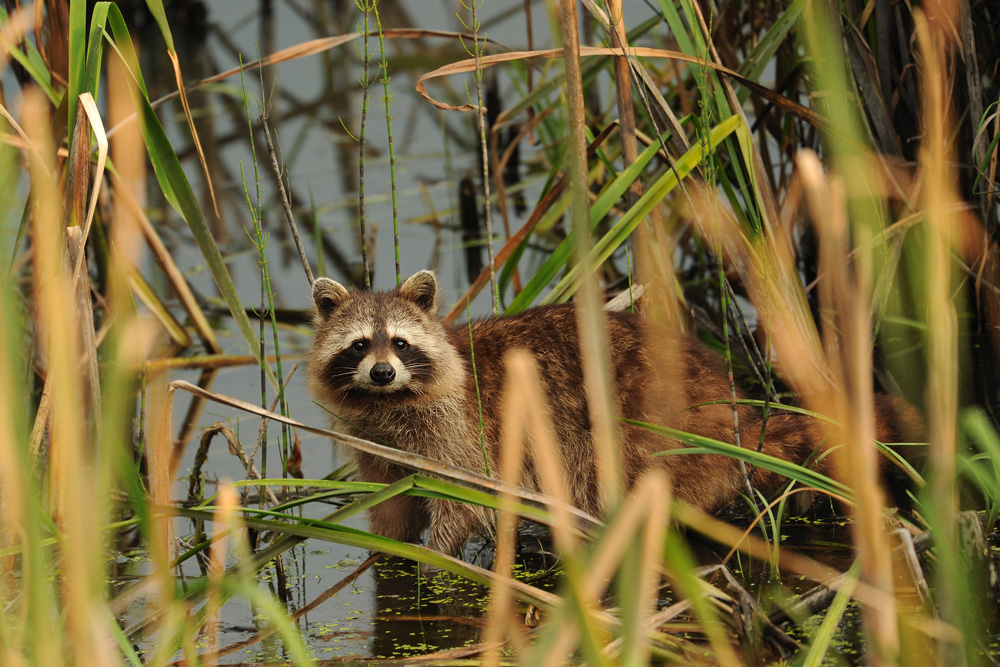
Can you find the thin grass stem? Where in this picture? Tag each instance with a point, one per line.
(366, 7)
(387, 98)
(477, 53)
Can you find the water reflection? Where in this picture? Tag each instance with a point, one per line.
(413, 615)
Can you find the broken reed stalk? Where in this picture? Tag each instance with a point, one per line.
(236, 449)
(286, 204)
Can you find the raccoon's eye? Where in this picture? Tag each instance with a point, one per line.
(400, 344)
(359, 345)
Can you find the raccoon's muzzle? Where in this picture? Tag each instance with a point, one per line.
(382, 373)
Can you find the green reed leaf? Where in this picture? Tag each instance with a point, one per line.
(701, 445)
(650, 199)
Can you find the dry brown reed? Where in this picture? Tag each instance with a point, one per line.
(68, 444)
(939, 198)
(227, 505)
(521, 393)
(590, 319)
(845, 300)
(833, 378)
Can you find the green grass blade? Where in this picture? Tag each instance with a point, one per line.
(274, 613)
(361, 504)
(77, 55)
(673, 18)
(824, 636)
(124, 645)
(416, 484)
(887, 451)
(176, 188)
(292, 482)
(359, 538)
(983, 469)
(539, 96)
(979, 427)
(458, 492)
(31, 62)
(680, 566)
(764, 51)
(156, 9)
(702, 445)
(564, 251)
(650, 199)
(95, 48)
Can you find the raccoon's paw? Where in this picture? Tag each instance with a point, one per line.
(451, 526)
(429, 571)
(401, 518)
(447, 541)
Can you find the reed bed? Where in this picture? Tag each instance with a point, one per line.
(810, 188)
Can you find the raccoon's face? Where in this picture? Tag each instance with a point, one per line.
(369, 345)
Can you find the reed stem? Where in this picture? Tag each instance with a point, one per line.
(387, 98)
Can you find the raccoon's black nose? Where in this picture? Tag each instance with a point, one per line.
(382, 373)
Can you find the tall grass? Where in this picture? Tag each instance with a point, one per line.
(828, 211)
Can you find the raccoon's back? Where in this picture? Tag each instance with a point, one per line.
(550, 335)
(656, 373)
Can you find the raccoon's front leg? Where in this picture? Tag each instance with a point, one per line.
(401, 518)
(452, 524)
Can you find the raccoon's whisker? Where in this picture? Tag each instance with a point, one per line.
(340, 374)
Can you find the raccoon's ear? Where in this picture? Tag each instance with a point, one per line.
(328, 295)
(421, 289)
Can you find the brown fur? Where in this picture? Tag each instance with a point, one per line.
(658, 376)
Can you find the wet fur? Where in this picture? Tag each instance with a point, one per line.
(658, 376)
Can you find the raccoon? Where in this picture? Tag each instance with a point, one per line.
(389, 370)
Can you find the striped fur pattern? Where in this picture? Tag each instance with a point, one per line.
(389, 370)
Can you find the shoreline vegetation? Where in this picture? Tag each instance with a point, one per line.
(809, 187)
